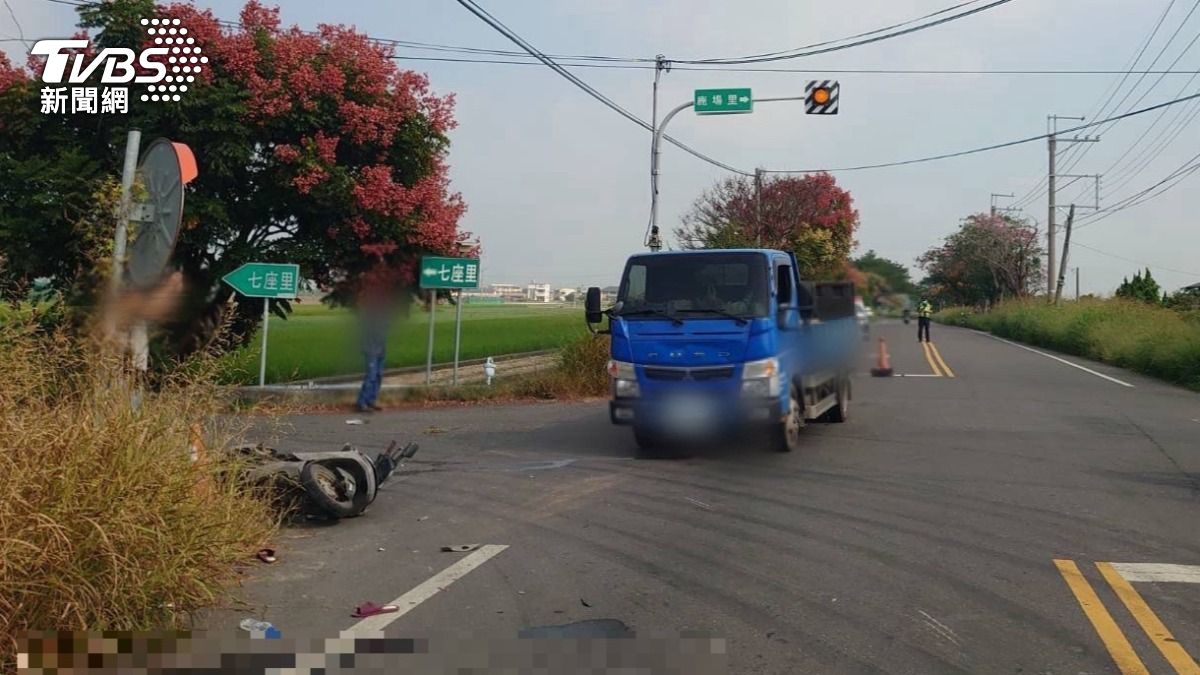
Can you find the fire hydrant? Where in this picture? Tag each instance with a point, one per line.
(489, 369)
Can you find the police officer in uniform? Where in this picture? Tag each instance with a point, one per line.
(924, 313)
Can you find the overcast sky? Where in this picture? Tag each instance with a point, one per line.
(558, 186)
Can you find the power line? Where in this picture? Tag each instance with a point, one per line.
(498, 26)
(1084, 151)
(1173, 179)
(812, 70)
(20, 31)
(1136, 262)
(874, 35)
(865, 38)
(1039, 189)
(998, 146)
(553, 65)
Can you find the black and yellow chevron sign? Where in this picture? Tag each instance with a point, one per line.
(821, 97)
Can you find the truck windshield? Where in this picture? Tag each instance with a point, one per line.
(700, 285)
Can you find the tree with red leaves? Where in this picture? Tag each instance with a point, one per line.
(313, 148)
(809, 215)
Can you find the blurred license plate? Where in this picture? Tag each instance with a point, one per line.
(688, 413)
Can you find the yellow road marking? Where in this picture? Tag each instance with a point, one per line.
(1114, 640)
(929, 358)
(1158, 633)
(941, 362)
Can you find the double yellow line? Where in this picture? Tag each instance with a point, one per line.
(934, 357)
(1114, 640)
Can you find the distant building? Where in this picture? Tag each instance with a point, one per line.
(508, 292)
(608, 294)
(539, 293)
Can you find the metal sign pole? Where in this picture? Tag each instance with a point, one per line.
(262, 361)
(457, 335)
(429, 350)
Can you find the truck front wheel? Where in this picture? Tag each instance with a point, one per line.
(787, 434)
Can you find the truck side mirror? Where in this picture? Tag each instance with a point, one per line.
(591, 307)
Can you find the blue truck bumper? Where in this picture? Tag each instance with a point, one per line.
(660, 415)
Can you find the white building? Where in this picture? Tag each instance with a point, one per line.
(539, 293)
(509, 292)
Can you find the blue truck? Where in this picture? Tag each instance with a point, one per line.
(710, 343)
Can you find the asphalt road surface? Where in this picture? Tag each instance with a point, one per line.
(957, 524)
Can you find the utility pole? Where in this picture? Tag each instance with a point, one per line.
(1052, 187)
(758, 179)
(1062, 268)
(654, 242)
(997, 194)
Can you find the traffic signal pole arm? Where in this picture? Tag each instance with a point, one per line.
(654, 157)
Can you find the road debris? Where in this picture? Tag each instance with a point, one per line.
(356, 421)
(381, 549)
(584, 602)
(267, 555)
(434, 430)
(260, 629)
(422, 519)
(697, 502)
(460, 548)
(371, 609)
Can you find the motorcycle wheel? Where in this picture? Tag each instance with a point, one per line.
(327, 490)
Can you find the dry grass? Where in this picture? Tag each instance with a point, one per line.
(105, 522)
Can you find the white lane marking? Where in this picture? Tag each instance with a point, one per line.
(940, 628)
(1159, 572)
(372, 626)
(917, 375)
(699, 503)
(1051, 356)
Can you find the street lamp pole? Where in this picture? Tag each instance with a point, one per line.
(655, 152)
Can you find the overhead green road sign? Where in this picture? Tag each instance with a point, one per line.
(723, 101)
(265, 280)
(449, 272)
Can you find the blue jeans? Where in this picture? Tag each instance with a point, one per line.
(372, 379)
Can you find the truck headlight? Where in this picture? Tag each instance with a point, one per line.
(760, 379)
(621, 370)
(624, 379)
(626, 388)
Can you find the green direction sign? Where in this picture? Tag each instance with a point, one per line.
(723, 101)
(265, 280)
(449, 272)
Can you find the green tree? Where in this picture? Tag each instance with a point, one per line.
(1185, 299)
(888, 276)
(1142, 288)
(312, 148)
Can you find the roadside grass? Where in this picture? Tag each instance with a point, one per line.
(579, 372)
(318, 341)
(1150, 340)
(105, 522)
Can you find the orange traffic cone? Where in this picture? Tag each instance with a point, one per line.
(884, 367)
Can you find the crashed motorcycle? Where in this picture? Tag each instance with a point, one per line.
(333, 484)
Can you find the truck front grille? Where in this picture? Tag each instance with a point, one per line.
(699, 374)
